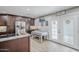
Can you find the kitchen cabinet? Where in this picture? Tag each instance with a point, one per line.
(32, 22)
(16, 45)
(8, 20)
(3, 22)
(23, 44)
(3, 19)
(11, 24)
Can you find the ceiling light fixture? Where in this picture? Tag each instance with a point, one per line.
(28, 9)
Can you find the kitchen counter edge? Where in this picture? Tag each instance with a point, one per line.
(13, 37)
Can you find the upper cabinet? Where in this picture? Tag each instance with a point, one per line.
(32, 22)
(9, 22)
(3, 19)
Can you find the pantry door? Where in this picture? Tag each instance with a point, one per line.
(68, 30)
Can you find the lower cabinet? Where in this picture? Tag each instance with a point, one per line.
(11, 45)
(23, 44)
(17, 45)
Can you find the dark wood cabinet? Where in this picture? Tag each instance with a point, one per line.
(16, 45)
(3, 22)
(4, 47)
(11, 24)
(3, 19)
(9, 21)
(32, 22)
(22, 44)
(11, 45)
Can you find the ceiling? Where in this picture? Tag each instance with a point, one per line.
(32, 11)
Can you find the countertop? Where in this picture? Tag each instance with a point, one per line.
(13, 37)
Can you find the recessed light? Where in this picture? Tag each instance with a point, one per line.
(28, 9)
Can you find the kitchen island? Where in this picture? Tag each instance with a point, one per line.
(19, 43)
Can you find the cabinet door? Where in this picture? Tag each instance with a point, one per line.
(22, 45)
(11, 24)
(3, 47)
(8, 46)
(3, 20)
(12, 46)
(32, 22)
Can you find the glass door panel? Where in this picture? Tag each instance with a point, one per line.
(54, 29)
(68, 31)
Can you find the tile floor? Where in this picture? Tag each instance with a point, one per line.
(48, 46)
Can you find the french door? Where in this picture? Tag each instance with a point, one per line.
(62, 29)
(68, 30)
(54, 30)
